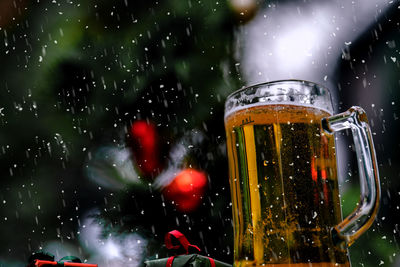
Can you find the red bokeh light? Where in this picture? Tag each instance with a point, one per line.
(187, 189)
(145, 146)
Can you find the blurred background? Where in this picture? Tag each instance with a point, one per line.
(111, 117)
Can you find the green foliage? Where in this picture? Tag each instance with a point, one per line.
(77, 75)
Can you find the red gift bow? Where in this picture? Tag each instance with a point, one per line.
(183, 242)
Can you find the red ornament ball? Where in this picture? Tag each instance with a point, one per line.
(187, 189)
(145, 146)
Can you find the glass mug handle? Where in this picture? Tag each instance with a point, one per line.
(355, 224)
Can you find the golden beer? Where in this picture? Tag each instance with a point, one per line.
(284, 187)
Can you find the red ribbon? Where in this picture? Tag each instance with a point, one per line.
(170, 261)
(183, 242)
(212, 262)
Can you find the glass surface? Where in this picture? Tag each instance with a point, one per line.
(283, 177)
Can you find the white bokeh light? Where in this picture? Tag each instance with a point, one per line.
(302, 40)
(294, 48)
(125, 250)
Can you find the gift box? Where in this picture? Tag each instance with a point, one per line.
(41, 263)
(44, 259)
(190, 260)
(185, 259)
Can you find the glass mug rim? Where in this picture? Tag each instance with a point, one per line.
(285, 92)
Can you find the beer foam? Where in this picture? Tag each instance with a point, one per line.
(270, 103)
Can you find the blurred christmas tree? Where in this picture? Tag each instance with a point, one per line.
(78, 78)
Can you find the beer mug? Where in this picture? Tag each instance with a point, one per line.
(283, 176)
